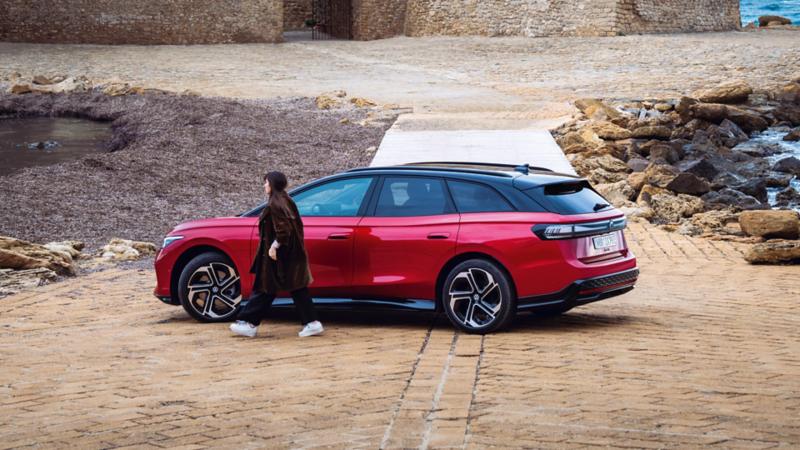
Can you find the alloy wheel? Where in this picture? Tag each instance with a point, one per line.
(214, 290)
(475, 297)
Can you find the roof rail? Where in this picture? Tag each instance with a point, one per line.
(435, 168)
(517, 168)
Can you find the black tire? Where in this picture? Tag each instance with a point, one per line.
(213, 275)
(478, 297)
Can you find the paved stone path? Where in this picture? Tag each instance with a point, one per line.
(703, 352)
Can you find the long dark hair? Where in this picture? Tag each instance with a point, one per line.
(278, 199)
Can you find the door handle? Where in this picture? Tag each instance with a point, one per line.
(442, 235)
(339, 236)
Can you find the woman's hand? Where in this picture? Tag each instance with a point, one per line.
(273, 253)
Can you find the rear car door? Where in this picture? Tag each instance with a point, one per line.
(405, 239)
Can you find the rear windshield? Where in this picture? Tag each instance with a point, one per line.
(574, 198)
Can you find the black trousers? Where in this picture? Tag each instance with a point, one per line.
(256, 309)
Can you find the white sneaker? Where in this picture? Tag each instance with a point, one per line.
(311, 329)
(244, 328)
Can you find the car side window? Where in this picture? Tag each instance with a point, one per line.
(413, 196)
(341, 198)
(477, 198)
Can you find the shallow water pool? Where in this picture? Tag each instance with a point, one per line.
(41, 141)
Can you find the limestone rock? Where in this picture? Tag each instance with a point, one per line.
(15, 281)
(683, 108)
(701, 168)
(791, 115)
(771, 224)
(793, 88)
(328, 100)
(715, 112)
(603, 150)
(722, 218)
(793, 135)
(119, 89)
(566, 141)
(601, 176)
(126, 250)
(675, 208)
(664, 151)
(584, 104)
(617, 193)
(639, 211)
(71, 85)
(646, 195)
(609, 131)
(637, 181)
(764, 21)
(688, 183)
(73, 248)
(729, 92)
(772, 252)
(608, 163)
(787, 165)
(41, 79)
(652, 132)
(362, 102)
(20, 89)
(21, 255)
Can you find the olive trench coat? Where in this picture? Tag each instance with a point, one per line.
(290, 271)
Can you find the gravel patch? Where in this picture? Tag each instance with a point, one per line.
(173, 159)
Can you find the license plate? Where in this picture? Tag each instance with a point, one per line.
(601, 242)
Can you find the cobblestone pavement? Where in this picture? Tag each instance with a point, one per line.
(704, 352)
(513, 77)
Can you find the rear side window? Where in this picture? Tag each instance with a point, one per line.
(574, 198)
(413, 196)
(477, 198)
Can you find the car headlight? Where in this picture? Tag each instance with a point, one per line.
(170, 239)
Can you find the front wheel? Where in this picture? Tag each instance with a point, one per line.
(210, 288)
(478, 297)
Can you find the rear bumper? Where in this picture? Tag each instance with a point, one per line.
(582, 292)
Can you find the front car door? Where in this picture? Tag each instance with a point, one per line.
(331, 212)
(406, 238)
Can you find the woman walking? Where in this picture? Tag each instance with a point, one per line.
(280, 264)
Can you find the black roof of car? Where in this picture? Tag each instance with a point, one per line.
(522, 177)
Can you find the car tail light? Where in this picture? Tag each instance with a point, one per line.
(570, 231)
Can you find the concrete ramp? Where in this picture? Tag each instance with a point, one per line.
(518, 147)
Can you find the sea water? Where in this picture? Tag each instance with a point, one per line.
(753, 9)
(790, 149)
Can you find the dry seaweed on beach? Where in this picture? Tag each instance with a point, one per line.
(173, 159)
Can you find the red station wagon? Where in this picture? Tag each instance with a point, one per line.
(477, 241)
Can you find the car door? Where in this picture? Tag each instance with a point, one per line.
(331, 212)
(403, 242)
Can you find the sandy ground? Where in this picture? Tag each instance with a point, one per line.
(529, 77)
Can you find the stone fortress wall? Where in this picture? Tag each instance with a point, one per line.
(228, 21)
(141, 21)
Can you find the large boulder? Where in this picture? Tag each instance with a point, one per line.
(675, 208)
(22, 255)
(618, 194)
(683, 108)
(602, 176)
(791, 115)
(793, 136)
(721, 218)
(609, 131)
(637, 180)
(701, 168)
(608, 163)
(729, 92)
(664, 151)
(584, 104)
(13, 281)
(688, 183)
(787, 165)
(756, 188)
(570, 139)
(652, 132)
(771, 224)
(717, 113)
(772, 252)
(734, 131)
(764, 21)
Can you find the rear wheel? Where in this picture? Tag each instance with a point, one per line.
(210, 288)
(478, 297)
